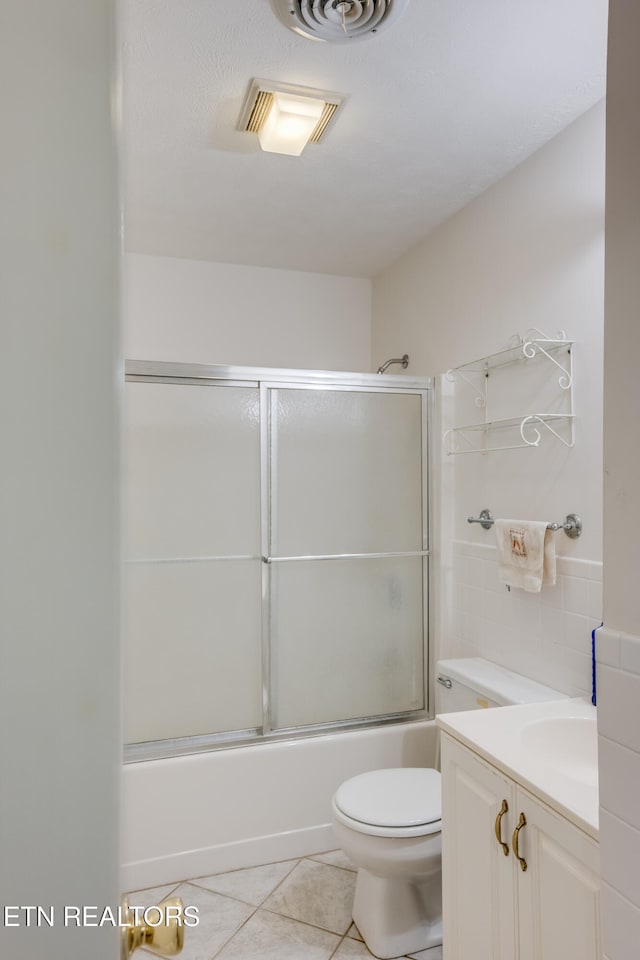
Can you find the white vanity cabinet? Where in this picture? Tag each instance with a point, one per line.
(492, 908)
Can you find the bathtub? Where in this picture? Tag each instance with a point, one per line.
(207, 813)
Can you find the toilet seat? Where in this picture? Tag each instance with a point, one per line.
(398, 802)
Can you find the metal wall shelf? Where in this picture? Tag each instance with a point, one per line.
(509, 433)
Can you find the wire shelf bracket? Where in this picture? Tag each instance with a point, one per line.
(490, 435)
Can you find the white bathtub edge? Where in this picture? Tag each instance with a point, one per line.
(209, 813)
(189, 864)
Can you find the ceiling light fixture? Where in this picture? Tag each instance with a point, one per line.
(338, 20)
(287, 117)
(289, 124)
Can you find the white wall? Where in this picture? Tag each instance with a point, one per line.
(619, 641)
(196, 312)
(59, 722)
(528, 252)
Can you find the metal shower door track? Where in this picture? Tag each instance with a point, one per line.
(277, 376)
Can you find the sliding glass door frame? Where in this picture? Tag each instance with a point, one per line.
(267, 380)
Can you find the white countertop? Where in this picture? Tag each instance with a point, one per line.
(514, 740)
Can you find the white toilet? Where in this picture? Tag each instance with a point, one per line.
(388, 821)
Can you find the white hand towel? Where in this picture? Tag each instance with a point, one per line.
(526, 554)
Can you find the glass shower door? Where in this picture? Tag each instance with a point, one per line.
(346, 553)
(192, 560)
(276, 554)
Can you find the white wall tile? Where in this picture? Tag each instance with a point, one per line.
(618, 700)
(456, 593)
(578, 632)
(496, 607)
(469, 650)
(528, 613)
(496, 641)
(608, 647)
(466, 633)
(552, 625)
(595, 570)
(454, 621)
(477, 632)
(490, 576)
(478, 550)
(619, 780)
(630, 653)
(576, 594)
(553, 596)
(594, 600)
(474, 572)
(577, 673)
(620, 853)
(621, 926)
(546, 635)
(573, 567)
(472, 600)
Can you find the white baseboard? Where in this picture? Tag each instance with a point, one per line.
(189, 864)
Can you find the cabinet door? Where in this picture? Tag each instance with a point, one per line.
(478, 879)
(558, 893)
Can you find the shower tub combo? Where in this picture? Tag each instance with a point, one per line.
(276, 606)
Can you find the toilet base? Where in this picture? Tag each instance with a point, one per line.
(393, 916)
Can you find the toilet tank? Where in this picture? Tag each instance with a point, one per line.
(472, 683)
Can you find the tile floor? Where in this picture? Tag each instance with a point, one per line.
(294, 910)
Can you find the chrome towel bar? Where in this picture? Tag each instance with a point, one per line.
(572, 524)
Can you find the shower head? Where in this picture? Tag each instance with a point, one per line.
(403, 361)
(335, 21)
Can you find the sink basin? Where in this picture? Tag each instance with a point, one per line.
(567, 745)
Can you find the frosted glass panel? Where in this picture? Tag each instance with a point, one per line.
(346, 472)
(349, 639)
(193, 660)
(192, 461)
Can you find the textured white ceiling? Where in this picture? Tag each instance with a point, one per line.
(441, 105)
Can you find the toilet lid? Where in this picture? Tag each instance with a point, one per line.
(401, 797)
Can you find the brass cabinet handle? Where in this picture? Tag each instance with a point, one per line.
(503, 809)
(522, 822)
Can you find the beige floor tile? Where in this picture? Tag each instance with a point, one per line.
(336, 858)
(435, 953)
(252, 885)
(354, 933)
(316, 893)
(220, 917)
(267, 936)
(351, 950)
(304, 916)
(152, 896)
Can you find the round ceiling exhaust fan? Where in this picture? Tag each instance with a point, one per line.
(337, 21)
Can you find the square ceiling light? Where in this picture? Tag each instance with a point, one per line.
(288, 117)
